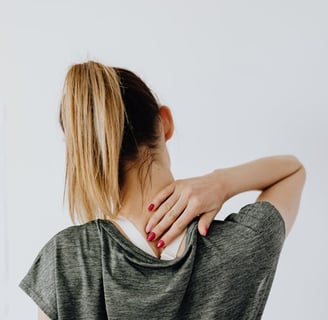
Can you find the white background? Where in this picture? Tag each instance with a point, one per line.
(244, 79)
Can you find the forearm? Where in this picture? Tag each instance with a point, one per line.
(258, 174)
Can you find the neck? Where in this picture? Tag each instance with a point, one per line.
(135, 201)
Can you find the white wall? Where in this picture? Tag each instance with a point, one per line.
(3, 218)
(244, 79)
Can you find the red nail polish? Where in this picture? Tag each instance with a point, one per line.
(151, 207)
(151, 236)
(160, 244)
(206, 230)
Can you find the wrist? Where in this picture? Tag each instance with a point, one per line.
(221, 180)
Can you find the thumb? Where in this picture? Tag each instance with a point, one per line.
(205, 222)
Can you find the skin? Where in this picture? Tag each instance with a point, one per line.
(42, 315)
(177, 202)
(132, 207)
(161, 176)
(279, 178)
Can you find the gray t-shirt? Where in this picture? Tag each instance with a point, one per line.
(92, 271)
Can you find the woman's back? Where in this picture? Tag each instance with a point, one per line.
(117, 164)
(93, 272)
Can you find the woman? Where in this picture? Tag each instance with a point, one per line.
(121, 189)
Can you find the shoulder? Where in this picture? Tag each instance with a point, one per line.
(262, 218)
(70, 241)
(66, 263)
(257, 227)
(77, 233)
(70, 252)
(79, 241)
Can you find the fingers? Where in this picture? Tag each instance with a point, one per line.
(166, 215)
(162, 195)
(161, 208)
(205, 222)
(182, 222)
(173, 223)
(175, 206)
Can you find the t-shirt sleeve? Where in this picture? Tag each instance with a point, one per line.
(263, 218)
(40, 281)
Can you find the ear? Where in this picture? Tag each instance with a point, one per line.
(167, 121)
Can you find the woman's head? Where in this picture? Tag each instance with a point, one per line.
(111, 122)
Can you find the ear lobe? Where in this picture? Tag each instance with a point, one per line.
(167, 120)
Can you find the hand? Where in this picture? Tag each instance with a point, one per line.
(182, 201)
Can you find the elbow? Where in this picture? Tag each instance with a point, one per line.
(295, 159)
(298, 164)
(301, 167)
(302, 172)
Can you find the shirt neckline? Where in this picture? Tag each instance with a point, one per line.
(141, 257)
(169, 252)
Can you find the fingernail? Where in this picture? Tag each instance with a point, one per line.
(160, 244)
(151, 207)
(148, 227)
(206, 230)
(151, 236)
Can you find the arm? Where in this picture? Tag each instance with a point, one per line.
(42, 315)
(280, 178)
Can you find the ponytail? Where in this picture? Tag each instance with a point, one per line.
(92, 118)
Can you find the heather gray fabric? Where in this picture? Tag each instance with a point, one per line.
(92, 271)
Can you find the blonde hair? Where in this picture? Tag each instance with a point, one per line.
(93, 140)
(92, 116)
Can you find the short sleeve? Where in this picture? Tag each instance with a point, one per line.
(40, 281)
(263, 218)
